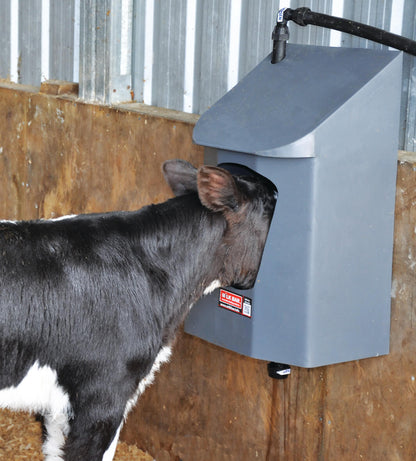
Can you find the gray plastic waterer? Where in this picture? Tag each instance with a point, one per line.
(323, 126)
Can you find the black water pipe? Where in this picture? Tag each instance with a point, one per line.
(304, 16)
(280, 36)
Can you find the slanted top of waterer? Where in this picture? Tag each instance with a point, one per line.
(276, 109)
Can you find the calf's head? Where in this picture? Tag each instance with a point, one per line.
(246, 200)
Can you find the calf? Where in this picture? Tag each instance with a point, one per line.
(89, 304)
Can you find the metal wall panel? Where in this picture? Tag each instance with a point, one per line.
(106, 50)
(374, 12)
(30, 45)
(120, 49)
(311, 35)
(178, 54)
(256, 29)
(62, 26)
(138, 50)
(37, 40)
(408, 108)
(169, 53)
(5, 27)
(94, 62)
(211, 52)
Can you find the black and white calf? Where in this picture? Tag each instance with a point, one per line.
(89, 304)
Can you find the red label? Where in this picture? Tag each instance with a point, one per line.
(231, 299)
(234, 302)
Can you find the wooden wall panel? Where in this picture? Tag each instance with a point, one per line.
(59, 156)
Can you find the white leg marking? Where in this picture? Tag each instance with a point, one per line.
(211, 287)
(40, 392)
(162, 357)
(109, 454)
(57, 428)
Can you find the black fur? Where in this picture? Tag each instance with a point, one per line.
(95, 297)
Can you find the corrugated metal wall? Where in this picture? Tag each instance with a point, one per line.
(39, 39)
(179, 54)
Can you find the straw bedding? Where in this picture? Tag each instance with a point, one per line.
(20, 440)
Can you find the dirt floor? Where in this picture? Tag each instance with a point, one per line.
(20, 440)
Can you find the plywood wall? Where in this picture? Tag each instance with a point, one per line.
(59, 156)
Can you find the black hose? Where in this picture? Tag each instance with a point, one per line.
(304, 16)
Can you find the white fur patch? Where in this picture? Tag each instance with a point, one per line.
(57, 428)
(111, 450)
(40, 392)
(162, 357)
(7, 221)
(211, 287)
(61, 218)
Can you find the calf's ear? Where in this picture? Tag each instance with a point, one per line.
(181, 176)
(217, 189)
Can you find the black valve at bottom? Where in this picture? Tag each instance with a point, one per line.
(278, 370)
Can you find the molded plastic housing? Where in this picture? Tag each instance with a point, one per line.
(323, 126)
